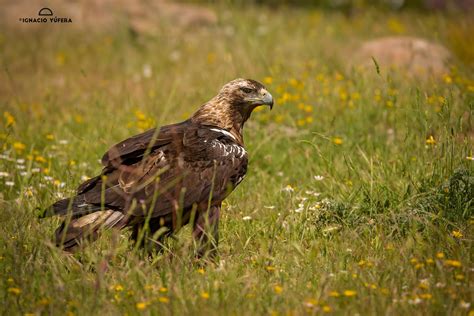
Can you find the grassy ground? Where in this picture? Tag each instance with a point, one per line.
(358, 199)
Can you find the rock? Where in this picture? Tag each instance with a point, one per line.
(417, 56)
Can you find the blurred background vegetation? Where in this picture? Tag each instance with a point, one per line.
(349, 5)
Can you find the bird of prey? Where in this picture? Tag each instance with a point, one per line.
(164, 178)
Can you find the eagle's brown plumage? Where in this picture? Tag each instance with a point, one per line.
(162, 176)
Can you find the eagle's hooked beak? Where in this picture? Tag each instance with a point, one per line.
(264, 98)
(267, 98)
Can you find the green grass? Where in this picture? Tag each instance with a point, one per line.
(388, 230)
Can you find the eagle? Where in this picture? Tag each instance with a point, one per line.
(162, 179)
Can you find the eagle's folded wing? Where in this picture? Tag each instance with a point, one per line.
(134, 148)
(174, 176)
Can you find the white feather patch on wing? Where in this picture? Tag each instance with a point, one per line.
(223, 131)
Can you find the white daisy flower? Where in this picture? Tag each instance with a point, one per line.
(147, 71)
(288, 188)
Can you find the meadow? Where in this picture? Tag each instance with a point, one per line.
(359, 194)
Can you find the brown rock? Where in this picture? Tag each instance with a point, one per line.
(416, 56)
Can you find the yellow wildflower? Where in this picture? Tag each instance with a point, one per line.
(19, 146)
(211, 58)
(430, 140)
(419, 266)
(293, 82)
(14, 290)
(117, 298)
(343, 95)
(149, 287)
(424, 284)
(140, 115)
(457, 234)
(141, 305)
(440, 255)
(350, 293)
(278, 289)
(268, 80)
(40, 159)
(163, 299)
(60, 59)
(205, 295)
(384, 291)
(78, 118)
(337, 140)
(334, 294)
(301, 122)
(453, 263)
(327, 309)
(392, 92)
(310, 302)
(9, 119)
(118, 288)
(339, 77)
(459, 277)
(163, 289)
(426, 296)
(201, 271)
(395, 26)
(44, 301)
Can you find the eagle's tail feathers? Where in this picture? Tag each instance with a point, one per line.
(77, 206)
(88, 227)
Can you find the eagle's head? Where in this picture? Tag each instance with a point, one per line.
(234, 103)
(246, 94)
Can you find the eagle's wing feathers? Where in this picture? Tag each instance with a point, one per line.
(133, 149)
(193, 163)
(206, 162)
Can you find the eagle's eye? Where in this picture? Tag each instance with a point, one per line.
(245, 89)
